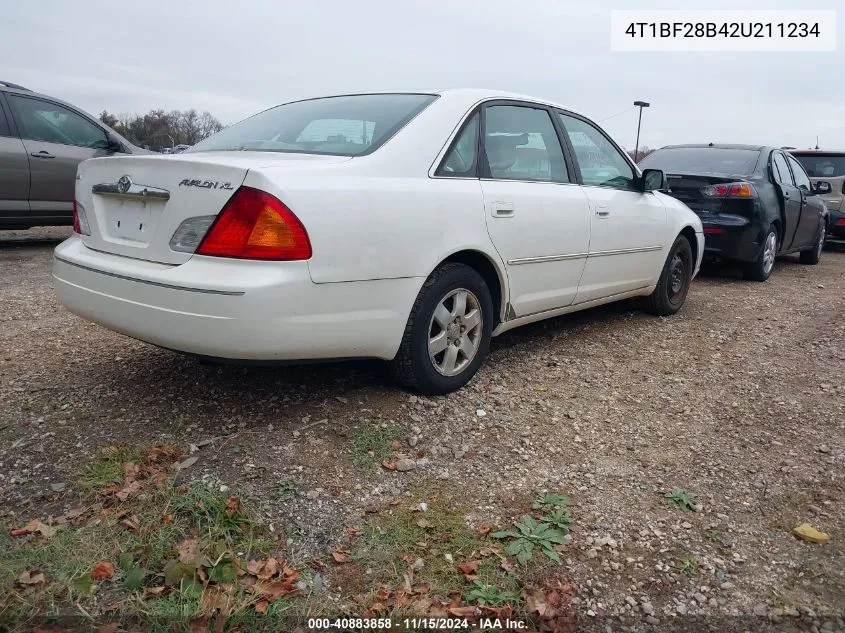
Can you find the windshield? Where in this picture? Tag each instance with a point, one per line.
(821, 166)
(702, 160)
(343, 126)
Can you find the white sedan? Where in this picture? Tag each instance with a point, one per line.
(410, 227)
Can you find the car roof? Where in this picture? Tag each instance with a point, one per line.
(755, 148)
(469, 95)
(818, 152)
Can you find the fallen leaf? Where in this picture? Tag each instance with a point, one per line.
(340, 556)
(187, 551)
(102, 571)
(233, 506)
(29, 578)
(469, 569)
(388, 465)
(273, 590)
(462, 612)
(70, 515)
(107, 628)
(167, 519)
(483, 530)
(154, 591)
(130, 472)
(131, 523)
(424, 524)
(408, 577)
(807, 532)
(187, 463)
(353, 531)
(261, 606)
(34, 526)
(128, 490)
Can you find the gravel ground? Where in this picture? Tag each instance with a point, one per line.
(738, 399)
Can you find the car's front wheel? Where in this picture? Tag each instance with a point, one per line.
(812, 255)
(675, 279)
(448, 332)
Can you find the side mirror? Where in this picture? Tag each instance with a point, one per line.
(112, 144)
(822, 187)
(654, 180)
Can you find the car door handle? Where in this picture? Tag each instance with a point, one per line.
(786, 195)
(42, 154)
(603, 212)
(502, 209)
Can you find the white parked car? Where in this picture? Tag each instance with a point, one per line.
(410, 227)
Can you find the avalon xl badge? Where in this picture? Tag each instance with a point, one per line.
(206, 184)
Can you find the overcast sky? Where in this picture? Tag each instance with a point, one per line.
(234, 58)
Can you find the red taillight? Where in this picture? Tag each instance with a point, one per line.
(730, 190)
(80, 220)
(256, 225)
(713, 229)
(76, 228)
(840, 222)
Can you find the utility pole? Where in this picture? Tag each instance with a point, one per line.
(640, 105)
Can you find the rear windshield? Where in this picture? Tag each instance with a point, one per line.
(821, 166)
(341, 126)
(702, 160)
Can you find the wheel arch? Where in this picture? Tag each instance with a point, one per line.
(493, 274)
(689, 233)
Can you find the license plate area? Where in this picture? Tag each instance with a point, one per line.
(131, 220)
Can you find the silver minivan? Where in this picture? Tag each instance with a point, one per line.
(42, 140)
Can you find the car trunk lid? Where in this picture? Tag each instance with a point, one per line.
(134, 204)
(690, 189)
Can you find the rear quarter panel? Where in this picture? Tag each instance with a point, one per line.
(381, 227)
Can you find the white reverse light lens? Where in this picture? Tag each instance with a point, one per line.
(190, 233)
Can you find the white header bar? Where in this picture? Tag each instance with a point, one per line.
(723, 30)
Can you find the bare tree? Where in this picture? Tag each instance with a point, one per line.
(158, 128)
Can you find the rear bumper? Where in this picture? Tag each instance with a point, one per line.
(730, 237)
(234, 309)
(836, 231)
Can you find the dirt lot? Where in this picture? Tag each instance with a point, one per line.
(739, 399)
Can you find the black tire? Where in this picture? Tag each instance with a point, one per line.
(761, 268)
(675, 279)
(413, 366)
(811, 256)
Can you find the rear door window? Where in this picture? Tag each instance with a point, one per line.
(781, 170)
(44, 121)
(520, 143)
(801, 179)
(4, 125)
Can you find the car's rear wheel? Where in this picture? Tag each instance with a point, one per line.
(761, 268)
(675, 279)
(812, 256)
(448, 332)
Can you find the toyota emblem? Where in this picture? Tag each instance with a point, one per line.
(123, 184)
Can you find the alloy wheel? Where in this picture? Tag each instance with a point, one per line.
(769, 251)
(455, 332)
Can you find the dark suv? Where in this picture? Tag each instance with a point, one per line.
(755, 203)
(42, 140)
